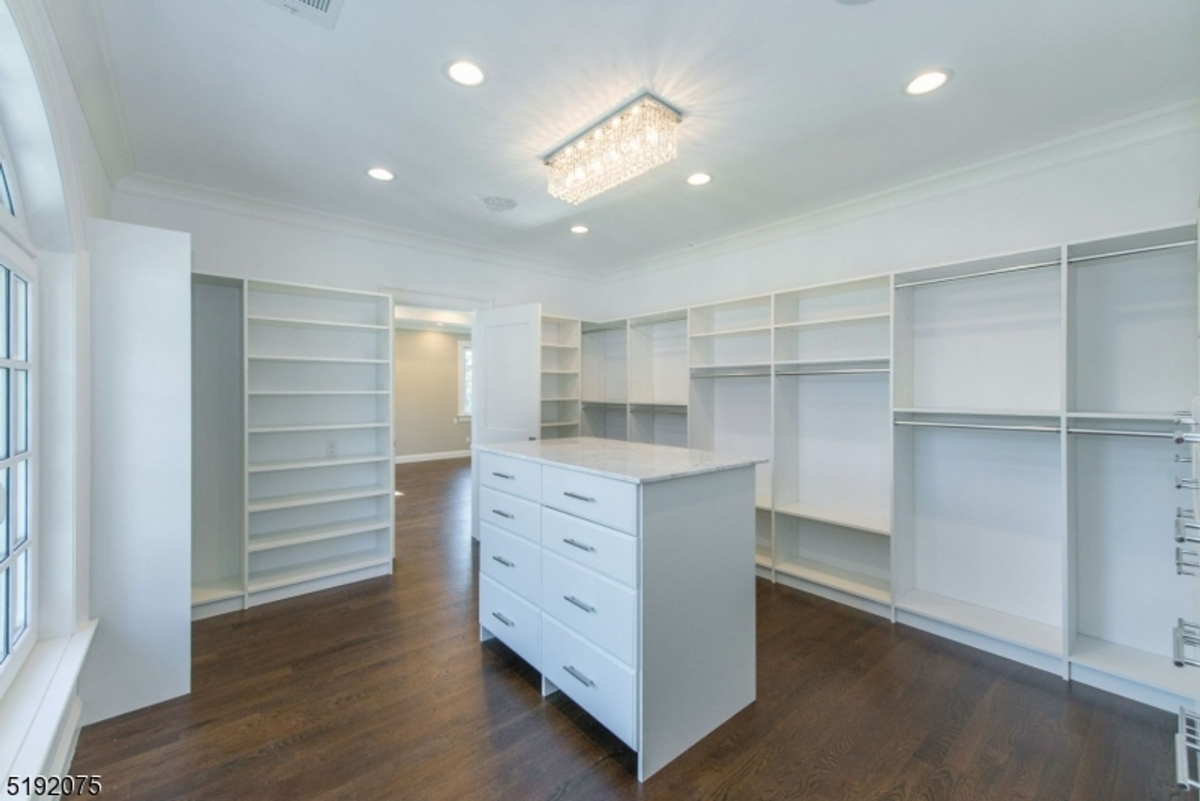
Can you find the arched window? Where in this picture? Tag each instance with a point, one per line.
(18, 441)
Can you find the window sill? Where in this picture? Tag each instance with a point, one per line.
(43, 695)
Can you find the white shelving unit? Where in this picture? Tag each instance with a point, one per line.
(1132, 344)
(832, 491)
(605, 379)
(562, 385)
(982, 449)
(303, 497)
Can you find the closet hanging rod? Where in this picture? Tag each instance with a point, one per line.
(1133, 251)
(1113, 432)
(835, 372)
(983, 426)
(1000, 271)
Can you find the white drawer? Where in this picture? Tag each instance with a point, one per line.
(514, 562)
(595, 681)
(516, 476)
(515, 622)
(597, 608)
(602, 549)
(510, 513)
(607, 501)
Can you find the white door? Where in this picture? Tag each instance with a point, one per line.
(506, 346)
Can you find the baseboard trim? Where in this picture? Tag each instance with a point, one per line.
(432, 457)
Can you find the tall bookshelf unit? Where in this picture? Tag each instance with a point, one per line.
(301, 497)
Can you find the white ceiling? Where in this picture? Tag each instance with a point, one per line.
(792, 105)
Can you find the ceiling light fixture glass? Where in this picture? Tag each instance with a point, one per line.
(579, 229)
(380, 174)
(699, 178)
(465, 73)
(632, 140)
(927, 82)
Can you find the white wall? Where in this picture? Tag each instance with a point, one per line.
(141, 469)
(1148, 184)
(269, 242)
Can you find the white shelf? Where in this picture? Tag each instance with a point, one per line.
(300, 536)
(762, 502)
(323, 427)
(847, 581)
(832, 362)
(563, 399)
(762, 560)
(849, 319)
(559, 345)
(765, 365)
(676, 404)
(305, 464)
(1132, 664)
(208, 592)
(980, 412)
(837, 517)
(598, 402)
(1002, 626)
(318, 393)
(320, 324)
(560, 372)
(755, 329)
(315, 498)
(314, 359)
(560, 424)
(1149, 417)
(273, 579)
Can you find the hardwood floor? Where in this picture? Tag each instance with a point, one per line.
(383, 691)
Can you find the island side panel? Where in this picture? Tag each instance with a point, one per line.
(698, 633)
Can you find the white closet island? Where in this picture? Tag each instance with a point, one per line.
(624, 572)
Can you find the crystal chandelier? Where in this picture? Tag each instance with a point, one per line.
(632, 140)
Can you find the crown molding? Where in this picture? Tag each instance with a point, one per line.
(1171, 121)
(157, 188)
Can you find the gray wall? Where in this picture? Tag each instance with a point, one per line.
(426, 393)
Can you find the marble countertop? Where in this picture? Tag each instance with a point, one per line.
(635, 462)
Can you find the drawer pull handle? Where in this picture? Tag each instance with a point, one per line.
(504, 514)
(1187, 635)
(503, 561)
(579, 497)
(506, 476)
(571, 599)
(582, 679)
(502, 619)
(583, 546)
(1187, 483)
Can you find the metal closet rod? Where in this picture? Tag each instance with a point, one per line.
(1133, 251)
(1114, 432)
(983, 426)
(1000, 271)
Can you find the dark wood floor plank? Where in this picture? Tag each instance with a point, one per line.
(382, 690)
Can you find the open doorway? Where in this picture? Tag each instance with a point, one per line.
(432, 378)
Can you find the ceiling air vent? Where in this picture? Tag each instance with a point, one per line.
(323, 12)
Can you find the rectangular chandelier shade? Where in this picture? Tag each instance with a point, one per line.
(633, 140)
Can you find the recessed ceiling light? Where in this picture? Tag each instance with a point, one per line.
(380, 174)
(465, 73)
(579, 229)
(699, 178)
(927, 82)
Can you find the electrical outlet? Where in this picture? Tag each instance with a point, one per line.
(331, 448)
